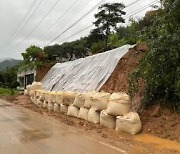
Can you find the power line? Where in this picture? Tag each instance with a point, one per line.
(58, 20)
(142, 9)
(77, 32)
(92, 24)
(114, 2)
(135, 12)
(29, 17)
(20, 25)
(38, 23)
(64, 20)
(132, 3)
(76, 22)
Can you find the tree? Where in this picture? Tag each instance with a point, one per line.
(33, 54)
(160, 69)
(109, 15)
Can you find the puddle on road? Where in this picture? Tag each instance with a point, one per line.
(158, 142)
(31, 135)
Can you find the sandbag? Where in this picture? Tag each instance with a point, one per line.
(45, 104)
(83, 113)
(63, 109)
(26, 92)
(42, 95)
(100, 101)
(79, 100)
(60, 97)
(50, 96)
(36, 85)
(72, 111)
(32, 99)
(119, 104)
(47, 96)
(31, 93)
(53, 97)
(107, 120)
(69, 98)
(93, 116)
(56, 107)
(35, 101)
(88, 99)
(129, 123)
(39, 103)
(118, 96)
(50, 106)
(120, 108)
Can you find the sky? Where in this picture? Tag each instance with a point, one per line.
(39, 22)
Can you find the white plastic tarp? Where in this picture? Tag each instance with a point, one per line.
(85, 74)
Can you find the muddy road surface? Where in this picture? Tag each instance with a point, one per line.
(23, 131)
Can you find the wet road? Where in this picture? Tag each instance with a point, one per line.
(22, 132)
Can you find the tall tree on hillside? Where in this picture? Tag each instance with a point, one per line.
(109, 15)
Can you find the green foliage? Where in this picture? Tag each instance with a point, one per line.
(67, 51)
(33, 57)
(33, 54)
(109, 15)
(8, 78)
(96, 47)
(7, 92)
(115, 41)
(160, 69)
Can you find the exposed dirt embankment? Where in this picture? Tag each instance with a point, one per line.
(118, 81)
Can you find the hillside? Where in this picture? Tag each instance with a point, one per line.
(8, 63)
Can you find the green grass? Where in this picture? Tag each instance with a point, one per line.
(7, 92)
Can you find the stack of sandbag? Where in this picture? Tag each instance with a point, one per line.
(66, 106)
(79, 100)
(89, 99)
(60, 97)
(63, 109)
(56, 107)
(107, 120)
(42, 95)
(69, 97)
(34, 86)
(100, 101)
(83, 113)
(129, 123)
(119, 104)
(93, 116)
(73, 111)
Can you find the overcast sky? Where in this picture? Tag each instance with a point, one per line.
(44, 25)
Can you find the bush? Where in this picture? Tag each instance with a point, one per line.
(160, 69)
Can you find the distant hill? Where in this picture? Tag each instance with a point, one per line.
(8, 63)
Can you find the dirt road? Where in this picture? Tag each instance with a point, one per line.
(23, 131)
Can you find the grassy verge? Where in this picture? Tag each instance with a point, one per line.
(8, 92)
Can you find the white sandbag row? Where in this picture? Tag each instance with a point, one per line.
(109, 110)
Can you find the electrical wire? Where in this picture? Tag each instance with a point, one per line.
(76, 22)
(142, 9)
(39, 23)
(65, 20)
(29, 18)
(19, 25)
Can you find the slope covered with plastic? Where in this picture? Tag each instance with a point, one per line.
(85, 74)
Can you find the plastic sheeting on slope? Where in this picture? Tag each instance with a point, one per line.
(85, 74)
